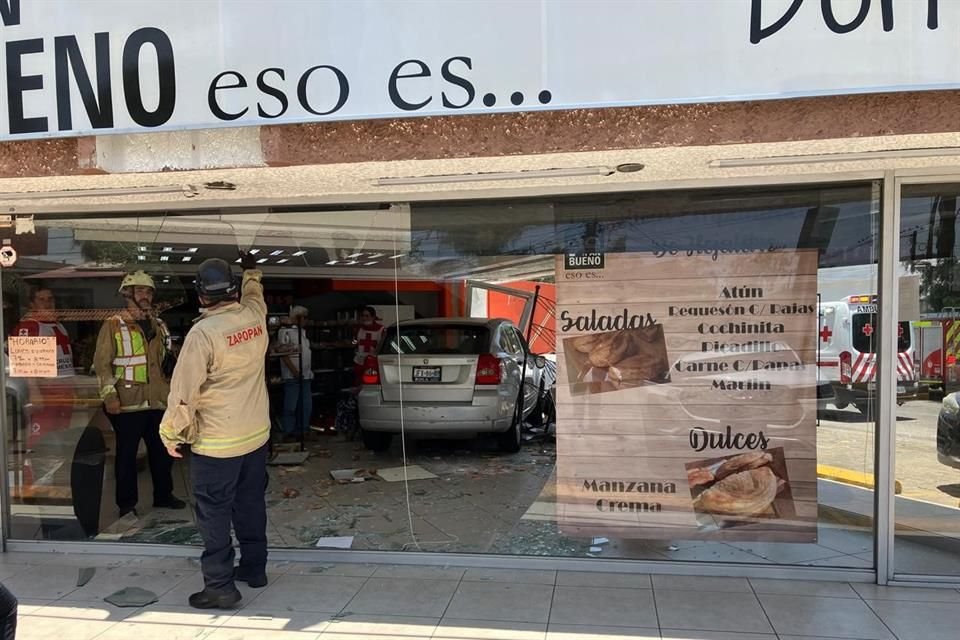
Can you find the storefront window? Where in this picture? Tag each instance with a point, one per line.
(675, 375)
(928, 428)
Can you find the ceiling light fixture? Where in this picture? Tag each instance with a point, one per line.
(299, 253)
(142, 248)
(367, 264)
(187, 190)
(141, 258)
(529, 174)
(354, 255)
(261, 260)
(164, 258)
(376, 255)
(193, 249)
(351, 262)
(396, 257)
(852, 156)
(254, 251)
(187, 258)
(282, 260)
(332, 262)
(168, 249)
(277, 252)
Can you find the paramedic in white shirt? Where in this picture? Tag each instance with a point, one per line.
(294, 344)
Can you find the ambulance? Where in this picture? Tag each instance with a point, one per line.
(938, 345)
(847, 353)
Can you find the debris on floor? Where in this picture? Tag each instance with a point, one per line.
(131, 597)
(85, 575)
(289, 458)
(347, 476)
(335, 542)
(120, 528)
(413, 472)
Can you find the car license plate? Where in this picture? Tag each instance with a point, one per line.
(426, 374)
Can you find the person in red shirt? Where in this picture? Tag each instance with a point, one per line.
(50, 406)
(368, 337)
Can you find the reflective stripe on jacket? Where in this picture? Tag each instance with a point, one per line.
(130, 363)
(218, 395)
(131, 367)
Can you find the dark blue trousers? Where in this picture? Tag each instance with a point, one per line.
(231, 490)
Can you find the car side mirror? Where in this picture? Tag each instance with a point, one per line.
(540, 361)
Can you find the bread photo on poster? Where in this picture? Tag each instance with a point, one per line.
(614, 360)
(740, 489)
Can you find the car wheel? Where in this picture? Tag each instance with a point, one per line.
(509, 440)
(546, 410)
(376, 440)
(538, 417)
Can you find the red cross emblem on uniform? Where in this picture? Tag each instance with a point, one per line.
(825, 333)
(868, 329)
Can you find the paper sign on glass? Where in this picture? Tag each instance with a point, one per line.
(33, 356)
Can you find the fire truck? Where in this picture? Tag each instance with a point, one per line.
(938, 344)
(847, 353)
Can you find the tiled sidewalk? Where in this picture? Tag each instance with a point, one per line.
(379, 602)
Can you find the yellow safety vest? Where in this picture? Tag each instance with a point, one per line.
(130, 363)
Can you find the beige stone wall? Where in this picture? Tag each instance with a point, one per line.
(497, 135)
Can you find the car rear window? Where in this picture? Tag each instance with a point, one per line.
(436, 339)
(865, 337)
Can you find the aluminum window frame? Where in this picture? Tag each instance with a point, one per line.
(883, 527)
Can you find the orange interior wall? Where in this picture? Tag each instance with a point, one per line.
(544, 333)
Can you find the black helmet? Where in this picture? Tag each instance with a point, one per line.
(215, 280)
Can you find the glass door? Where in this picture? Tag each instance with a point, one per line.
(926, 432)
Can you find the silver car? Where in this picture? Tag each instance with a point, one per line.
(453, 376)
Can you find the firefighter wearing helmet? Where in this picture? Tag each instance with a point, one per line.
(133, 362)
(218, 405)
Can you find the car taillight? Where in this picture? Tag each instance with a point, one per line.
(846, 368)
(488, 369)
(371, 371)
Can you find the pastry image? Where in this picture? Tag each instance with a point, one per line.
(584, 344)
(617, 360)
(610, 348)
(743, 462)
(744, 493)
(699, 476)
(741, 489)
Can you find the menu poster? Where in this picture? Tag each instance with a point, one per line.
(686, 396)
(33, 356)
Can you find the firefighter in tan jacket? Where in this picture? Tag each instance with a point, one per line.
(218, 405)
(129, 360)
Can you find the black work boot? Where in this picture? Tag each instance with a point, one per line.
(213, 600)
(255, 579)
(170, 502)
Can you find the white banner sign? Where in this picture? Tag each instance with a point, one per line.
(109, 66)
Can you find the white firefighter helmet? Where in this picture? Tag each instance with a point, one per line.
(137, 279)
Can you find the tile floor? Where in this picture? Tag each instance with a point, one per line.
(314, 601)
